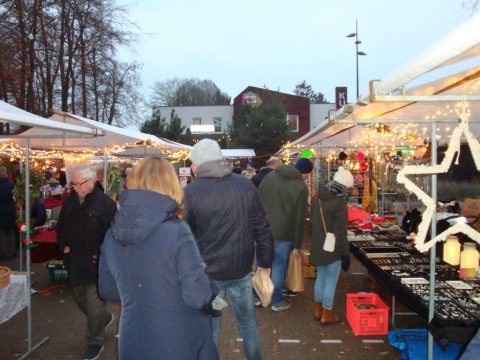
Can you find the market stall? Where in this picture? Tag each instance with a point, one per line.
(445, 110)
(14, 115)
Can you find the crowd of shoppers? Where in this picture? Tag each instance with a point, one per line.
(170, 256)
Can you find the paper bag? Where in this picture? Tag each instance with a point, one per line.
(294, 278)
(329, 244)
(263, 286)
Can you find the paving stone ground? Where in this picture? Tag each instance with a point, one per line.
(56, 315)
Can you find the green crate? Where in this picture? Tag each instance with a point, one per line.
(58, 272)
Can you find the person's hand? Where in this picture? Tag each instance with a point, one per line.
(345, 259)
(267, 271)
(66, 249)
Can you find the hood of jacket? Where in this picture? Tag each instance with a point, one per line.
(141, 211)
(324, 195)
(216, 168)
(288, 172)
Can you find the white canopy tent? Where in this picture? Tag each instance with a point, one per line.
(461, 44)
(14, 115)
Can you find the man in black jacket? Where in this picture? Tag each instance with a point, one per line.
(83, 221)
(228, 222)
(272, 164)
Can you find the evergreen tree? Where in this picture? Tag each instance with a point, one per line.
(263, 127)
(305, 90)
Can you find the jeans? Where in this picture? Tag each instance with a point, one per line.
(240, 293)
(282, 251)
(327, 277)
(86, 297)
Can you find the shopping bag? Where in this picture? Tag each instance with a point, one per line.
(329, 244)
(294, 278)
(263, 286)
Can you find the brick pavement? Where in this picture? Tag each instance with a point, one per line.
(57, 316)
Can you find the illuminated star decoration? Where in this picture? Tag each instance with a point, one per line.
(453, 147)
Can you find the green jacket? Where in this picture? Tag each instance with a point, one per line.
(335, 213)
(283, 194)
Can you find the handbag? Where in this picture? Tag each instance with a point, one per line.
(263, 286)
(329, 244)
(294, 278)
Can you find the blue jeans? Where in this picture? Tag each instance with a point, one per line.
(327, 277)
(281, 253)
(240, 293)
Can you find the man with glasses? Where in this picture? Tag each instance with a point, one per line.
(85, 217)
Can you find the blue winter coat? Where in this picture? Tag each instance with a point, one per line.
(150, 263)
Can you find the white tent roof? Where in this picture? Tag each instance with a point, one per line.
(462, 43)
(14, 115)
(238, 153)
(114, 136)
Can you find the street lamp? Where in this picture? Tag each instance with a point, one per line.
(357, 53)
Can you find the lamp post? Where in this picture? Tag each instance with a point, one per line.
(357, 53)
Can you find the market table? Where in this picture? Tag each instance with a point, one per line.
(13, 297)
(47, 249)
(403, 271)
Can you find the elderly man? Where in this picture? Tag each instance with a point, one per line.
(83, 221)
(272, 164)
(228, 222)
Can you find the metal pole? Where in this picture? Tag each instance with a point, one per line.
(105, 172)
(356, 53)
(431, 295)
(27, 238)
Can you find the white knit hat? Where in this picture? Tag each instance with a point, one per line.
(205, 150)
(344, 177)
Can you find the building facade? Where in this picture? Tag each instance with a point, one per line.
(213, 121)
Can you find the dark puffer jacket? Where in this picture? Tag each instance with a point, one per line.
(82, 228)
(227, 220)
(335, 213)
(150, 262)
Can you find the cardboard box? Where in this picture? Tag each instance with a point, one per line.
(471, 207)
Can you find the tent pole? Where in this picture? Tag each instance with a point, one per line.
(431, 296)
(27, 252)
(105, 172)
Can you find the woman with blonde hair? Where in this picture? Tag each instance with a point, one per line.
(151, 264)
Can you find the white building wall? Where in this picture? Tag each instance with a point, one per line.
(205, 113)
(319, 113)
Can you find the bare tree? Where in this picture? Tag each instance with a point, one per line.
(188, 92)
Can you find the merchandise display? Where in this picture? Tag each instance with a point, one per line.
(405, 275)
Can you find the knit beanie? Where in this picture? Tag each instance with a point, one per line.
(344, 177)
(205, 150)
(303, 165)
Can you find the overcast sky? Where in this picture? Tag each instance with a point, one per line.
(278, 43)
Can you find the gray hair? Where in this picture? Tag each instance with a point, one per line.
(274, 162)
(3, 171)
(87, 172)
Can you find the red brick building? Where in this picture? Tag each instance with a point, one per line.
(298, 107)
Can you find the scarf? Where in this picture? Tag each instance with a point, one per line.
(338, 189)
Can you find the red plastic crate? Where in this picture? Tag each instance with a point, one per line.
(367, 321)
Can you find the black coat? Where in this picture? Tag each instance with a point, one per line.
(227, 221)
(82, 228)
(257, 179)
(7, 204)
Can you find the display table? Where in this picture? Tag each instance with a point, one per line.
(404, 272)
(47, 249)
(13, 297)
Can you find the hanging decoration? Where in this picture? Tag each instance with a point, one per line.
(443, 167)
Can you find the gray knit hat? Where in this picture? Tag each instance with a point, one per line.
(205, 150)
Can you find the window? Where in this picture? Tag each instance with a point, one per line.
(217, 122)
(197, 121)
(293, 122)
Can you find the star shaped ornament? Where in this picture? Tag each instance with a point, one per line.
(453, 147)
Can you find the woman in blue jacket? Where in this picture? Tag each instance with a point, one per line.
(150, 263)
